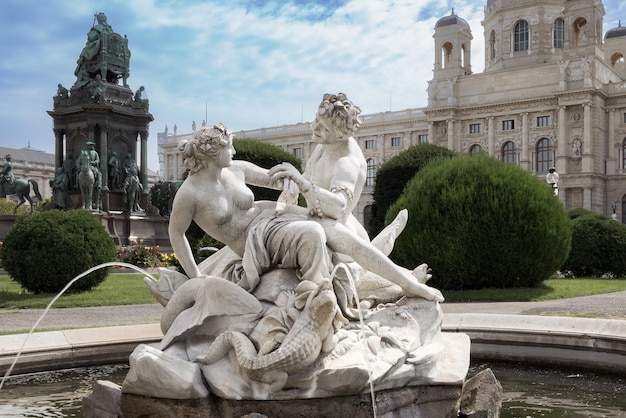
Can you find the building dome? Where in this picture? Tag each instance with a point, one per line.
(453, 19)
(616, 32)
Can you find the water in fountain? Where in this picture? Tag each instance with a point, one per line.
(58, 295)
(363, 339)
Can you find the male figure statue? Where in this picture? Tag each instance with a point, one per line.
(6, 176)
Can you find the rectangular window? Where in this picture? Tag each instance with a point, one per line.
(543, 121)
(559, 33)
(508, 125)
(423, 138)
(474, 128)
(624, 117)
(396, 141)
(297, 152)
(369, 144)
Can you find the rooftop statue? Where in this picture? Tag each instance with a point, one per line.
(281, 296)
(105, 54)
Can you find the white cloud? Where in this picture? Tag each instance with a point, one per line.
(227, 61)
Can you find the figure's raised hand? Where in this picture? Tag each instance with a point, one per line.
(283, 170)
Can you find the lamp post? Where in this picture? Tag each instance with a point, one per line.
(552, 178)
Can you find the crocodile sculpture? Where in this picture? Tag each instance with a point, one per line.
(311, 333)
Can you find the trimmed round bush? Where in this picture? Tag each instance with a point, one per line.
(45, 251)
(264, 155)
(394, 174)
(479, 223)
(598, 245)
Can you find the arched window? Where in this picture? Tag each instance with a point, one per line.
(509, 154)
(580, 31)
(617, 59)
(545, 158)
(367, 215)
(558, 33)
(520, 36)
(371, 172)
(446, 52)
(492, 45)
(475, 149)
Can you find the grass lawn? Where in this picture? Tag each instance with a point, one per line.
(117, 289)
(550, 289)
(129, 288)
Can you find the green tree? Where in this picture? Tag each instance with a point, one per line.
(264, 155)
(479, 223)
(598, 245)
(45, 251)
(394, 174)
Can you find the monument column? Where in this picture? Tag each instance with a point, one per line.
(58, 148)
(104, 158)
(143, 170)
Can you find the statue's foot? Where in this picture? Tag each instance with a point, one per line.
(386, 239)
(421, 273)
(420, 290)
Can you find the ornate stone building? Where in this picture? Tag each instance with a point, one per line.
(553, 93)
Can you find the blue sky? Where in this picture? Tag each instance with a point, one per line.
(248, 64)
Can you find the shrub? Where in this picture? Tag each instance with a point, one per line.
(7, 206)
(481, 223)
(577, 212)
(598, 245)
(264, 155)
(146, 256)
(394, 174)
(140, 255)
(45, 251)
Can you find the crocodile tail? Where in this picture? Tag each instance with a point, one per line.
(244, 348)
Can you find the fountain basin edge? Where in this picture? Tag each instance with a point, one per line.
(590, 343)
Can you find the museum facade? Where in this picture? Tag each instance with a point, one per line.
(552, 94)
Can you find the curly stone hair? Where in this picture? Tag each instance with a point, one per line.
(341, 112)
(205, 144)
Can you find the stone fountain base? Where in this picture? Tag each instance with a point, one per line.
(480, 396)
(424, 401)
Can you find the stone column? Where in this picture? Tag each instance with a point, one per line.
(561, 146)
(490, 136)
(587, 140)
(587, 196)
(613, 157)
(451, 134)
(524, 160)
(431, 132)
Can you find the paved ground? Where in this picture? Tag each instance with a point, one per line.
(609, 305)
